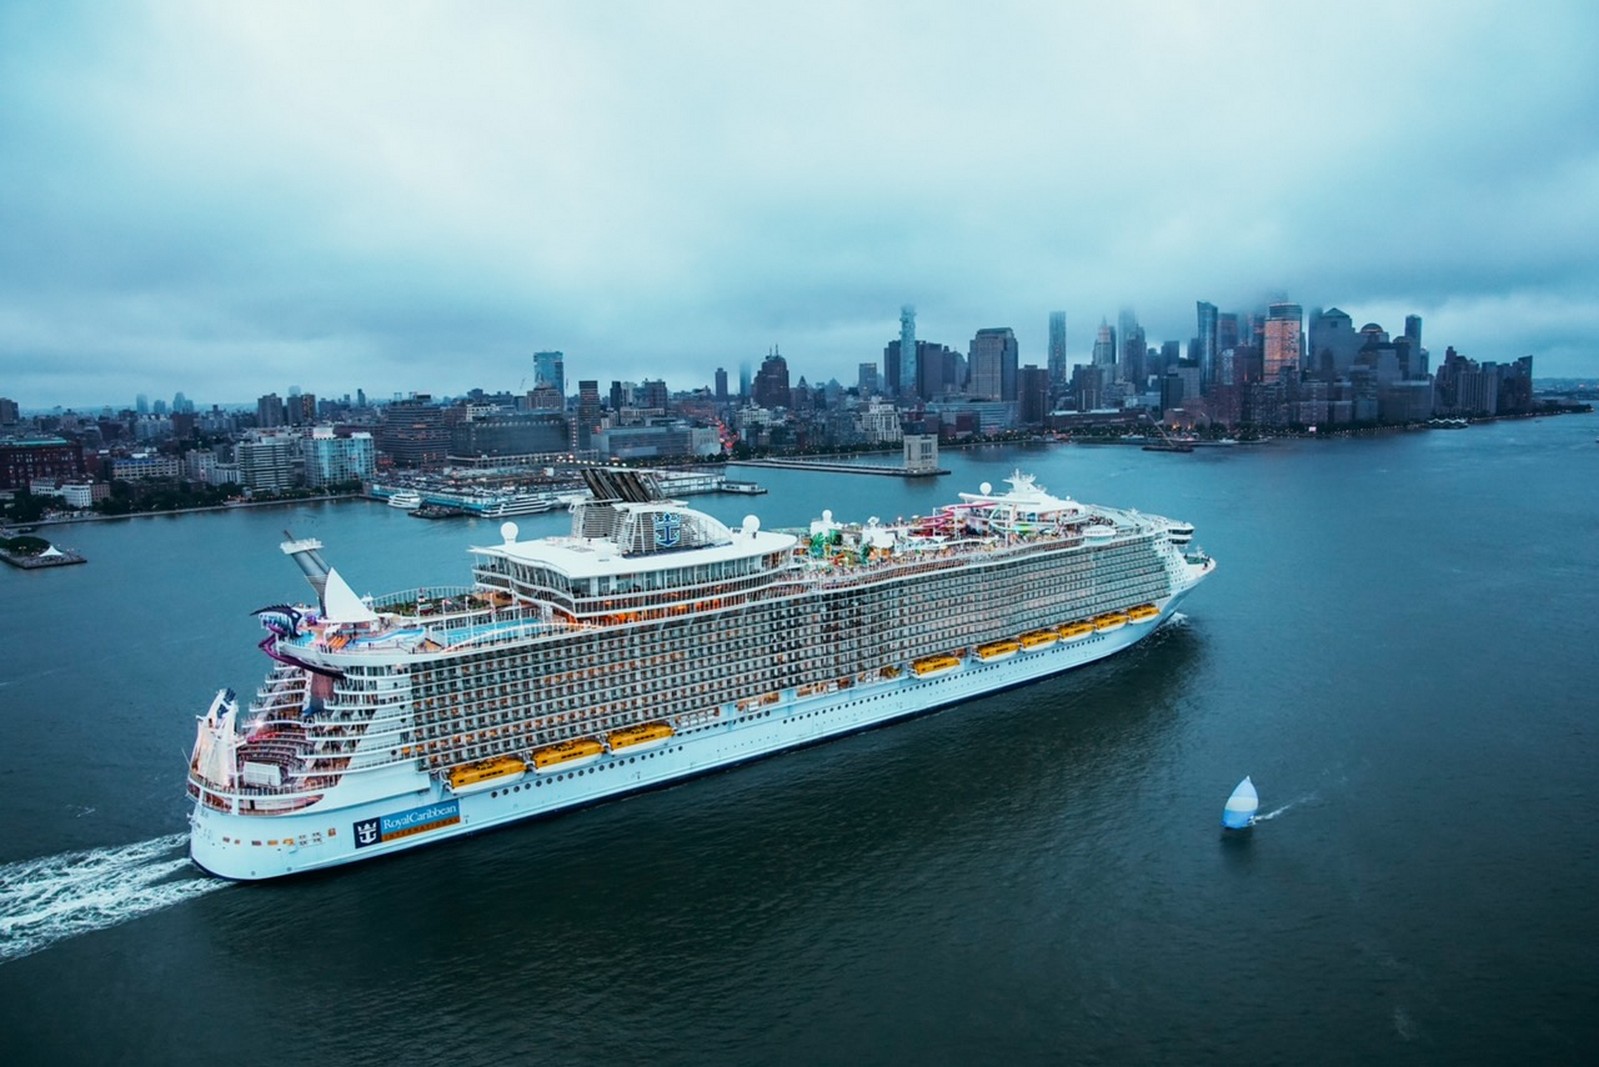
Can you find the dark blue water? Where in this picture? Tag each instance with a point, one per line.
(1398, 645)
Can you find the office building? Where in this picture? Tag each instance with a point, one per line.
(1282, 344)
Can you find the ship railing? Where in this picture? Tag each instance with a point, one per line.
(404, 601)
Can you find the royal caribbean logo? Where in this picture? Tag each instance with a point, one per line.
(407, 823)
(668, 529)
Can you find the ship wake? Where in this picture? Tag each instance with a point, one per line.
(1273, 814)
(52, 898)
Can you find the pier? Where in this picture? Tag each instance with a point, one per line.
(921, 461)
(827, 467)
(32, 553)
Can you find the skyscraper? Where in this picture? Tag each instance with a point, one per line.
(1206, 356)
(549, 370)
(771, 384)
(1132, 349)
(1057, 350)
(1105, 347)
(994, 356)
(588, 411)
(1284, 323)
(907, 350)
(721, 385)
(1418, 355)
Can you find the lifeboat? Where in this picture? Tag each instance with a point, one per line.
(997, 650)
(486, 774)
(1076, 631)
(1111, 620)
(566, 754)
(933, 666)
(1037, 639)
(638, 738)
(1143, 613)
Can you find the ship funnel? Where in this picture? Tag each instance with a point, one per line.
(307, 555)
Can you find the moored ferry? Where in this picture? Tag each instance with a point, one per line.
(650, 644)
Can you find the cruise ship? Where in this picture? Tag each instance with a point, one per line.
(650, 644)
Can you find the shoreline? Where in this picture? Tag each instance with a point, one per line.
(93, 517)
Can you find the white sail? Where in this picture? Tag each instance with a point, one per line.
(1241, 806)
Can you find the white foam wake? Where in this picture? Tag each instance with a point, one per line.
(51, 898)
(1285, 807)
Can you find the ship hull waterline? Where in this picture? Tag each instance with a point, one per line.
(252, 847)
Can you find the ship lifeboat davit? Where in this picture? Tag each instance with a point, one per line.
(1239, 813)
(1076, 631)
(486, 774)
(995, 651)
(639, 738)
(933, 666)
(1038, 639)
(564, 755)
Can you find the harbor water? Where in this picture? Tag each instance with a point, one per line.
(1398, 647)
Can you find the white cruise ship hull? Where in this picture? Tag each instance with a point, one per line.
(416, 808)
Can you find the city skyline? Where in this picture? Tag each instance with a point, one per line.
(203, 200)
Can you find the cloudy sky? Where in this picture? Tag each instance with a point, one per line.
(232, 198)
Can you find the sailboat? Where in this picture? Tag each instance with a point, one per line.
(1239, 814)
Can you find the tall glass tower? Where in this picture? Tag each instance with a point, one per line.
(1057, 349)
(1206, 356)
(907, 350)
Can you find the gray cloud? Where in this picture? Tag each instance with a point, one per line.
(231, 198)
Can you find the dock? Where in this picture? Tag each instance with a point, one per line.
(32, 553)
(826, 467)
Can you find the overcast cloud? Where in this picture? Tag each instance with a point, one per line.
(230, 199)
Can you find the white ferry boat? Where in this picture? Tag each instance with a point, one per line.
(406, 499)
(651, 644)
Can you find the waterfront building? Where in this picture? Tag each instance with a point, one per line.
(199, 465)
(331, 459)
(267, 462)
(662, 440)
(878, 422)
(499, 433)
(413, 433)
(921, 452)
(144, 465)
(1282, 341)
(26, 459)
